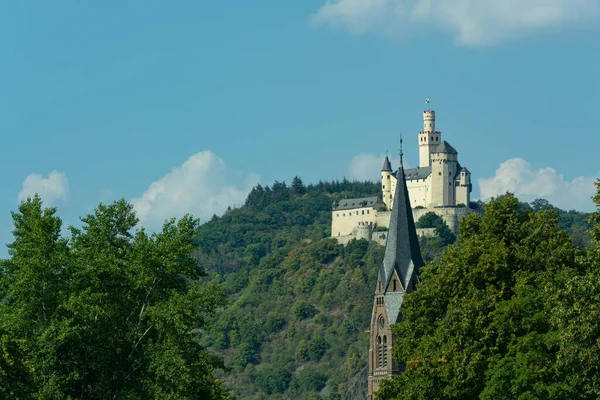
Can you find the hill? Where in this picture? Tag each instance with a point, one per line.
(299, 302)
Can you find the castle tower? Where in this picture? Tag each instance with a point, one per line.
(463, 187)
(398, 274)
(386, 182)
(429, 138)
(444, 162)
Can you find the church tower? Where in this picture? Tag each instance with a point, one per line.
(429, 138)
(398, 274)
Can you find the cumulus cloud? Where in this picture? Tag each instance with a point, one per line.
(470, 22)
(519, 177)
(202, 186)
(51, 189)
(367, 166)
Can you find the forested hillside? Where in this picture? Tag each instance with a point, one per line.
(262, 298)
(300, 303)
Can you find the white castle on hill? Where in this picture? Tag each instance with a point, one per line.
(439, 184)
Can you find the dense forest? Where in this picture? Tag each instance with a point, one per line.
(259, 302)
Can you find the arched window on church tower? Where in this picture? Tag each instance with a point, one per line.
(385, 351)
(379, 352)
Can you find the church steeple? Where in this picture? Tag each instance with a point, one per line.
(402, 252)
(398, 275)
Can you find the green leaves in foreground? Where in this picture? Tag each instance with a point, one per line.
(108, 314)
(510, 312)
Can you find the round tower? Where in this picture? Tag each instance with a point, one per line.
(364, 230)
(386, 182)
(428, 121)
(429, 138)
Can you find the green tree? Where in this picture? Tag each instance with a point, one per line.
(110, 314)
(309, 379)
(273, 380)
(478, 325)
(298, 186)
(303, 310)
(429, 220)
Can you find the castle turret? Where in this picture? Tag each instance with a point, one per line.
(443, 172)
(429, 138)
(386, 182)
(398, 274)
(463, 187)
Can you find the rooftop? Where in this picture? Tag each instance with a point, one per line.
(347, 204)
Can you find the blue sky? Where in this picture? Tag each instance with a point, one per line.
(182, 107)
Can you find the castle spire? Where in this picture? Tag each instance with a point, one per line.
(387, 166)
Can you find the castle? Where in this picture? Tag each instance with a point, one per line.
(439, 184)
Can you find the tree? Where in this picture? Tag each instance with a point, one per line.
(479, 325)
(111, 314)
(298, 186)
(432, 220)
(31, 284)
(429, 220)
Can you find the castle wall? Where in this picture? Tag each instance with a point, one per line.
(418, 191)
(343, 222)
(451, 216)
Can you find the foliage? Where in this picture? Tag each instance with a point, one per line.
(506, 313)
(108, 314)
(273, 380)
(299, 299)
(429, 220)
(444, 236)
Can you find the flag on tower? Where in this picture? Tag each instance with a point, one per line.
(427, 100)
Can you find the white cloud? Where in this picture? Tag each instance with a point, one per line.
(471, 22)
(517, 176)
(202, 186)
(367, 166)
(54, 187)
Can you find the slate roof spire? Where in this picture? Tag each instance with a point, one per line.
(402, 252)
(387, 166)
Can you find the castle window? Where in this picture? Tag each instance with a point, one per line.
(367, 211)
(394, 285)
(383, 186)
(437, 139)
(344, 214)
(432, 138)
(363, 212)
(440, 173)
